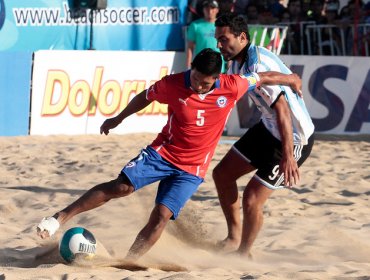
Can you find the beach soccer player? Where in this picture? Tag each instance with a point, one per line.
(273, 148)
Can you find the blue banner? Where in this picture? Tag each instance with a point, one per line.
(15, 81)
(31, 25)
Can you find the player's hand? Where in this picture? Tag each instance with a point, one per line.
(108, 124)
(289, 167)
(296, 84)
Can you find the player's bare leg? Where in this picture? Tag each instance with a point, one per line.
(151, 232)
(93, 198)
(254, 198)
(225, 174)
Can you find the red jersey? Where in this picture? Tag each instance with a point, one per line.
(195, 121)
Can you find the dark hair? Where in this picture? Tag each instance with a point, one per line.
(236, 23)
(208, 62)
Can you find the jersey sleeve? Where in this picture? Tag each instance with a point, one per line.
(271, 93)
(158, 91)
(246, 82)
(252, 79)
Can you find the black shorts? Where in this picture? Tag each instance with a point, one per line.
(264, 152)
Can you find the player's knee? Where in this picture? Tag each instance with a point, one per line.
(160, 216)
(119, 188)
(250, 202)
(162, 221)
(123, 189)
(217, 174)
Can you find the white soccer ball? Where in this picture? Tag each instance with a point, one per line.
(77, 242)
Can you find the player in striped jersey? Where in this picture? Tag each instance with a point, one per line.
(276, 146)
(199, 102)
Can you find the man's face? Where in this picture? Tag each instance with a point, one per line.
(201, 83)
(229, 44)
(210, 13)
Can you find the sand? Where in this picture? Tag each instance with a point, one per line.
(317, 230)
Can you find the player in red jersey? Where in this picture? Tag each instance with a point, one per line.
(199, 102)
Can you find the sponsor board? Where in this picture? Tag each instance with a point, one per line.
(73, 92)
(336, 92)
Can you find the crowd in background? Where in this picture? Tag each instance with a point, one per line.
(343, 30)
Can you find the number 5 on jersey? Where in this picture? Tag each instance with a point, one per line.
(200, 117)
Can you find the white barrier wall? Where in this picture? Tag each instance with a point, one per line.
(73, 92)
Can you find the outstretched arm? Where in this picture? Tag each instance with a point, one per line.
(276, 78)
(138, 103)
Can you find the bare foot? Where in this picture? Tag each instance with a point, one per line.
(227, 245)
(247, 255)
(238, 254)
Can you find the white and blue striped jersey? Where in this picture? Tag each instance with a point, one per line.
(260, 59)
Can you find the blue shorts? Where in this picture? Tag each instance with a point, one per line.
(175, 187)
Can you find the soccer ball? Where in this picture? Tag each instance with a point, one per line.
(77, 242)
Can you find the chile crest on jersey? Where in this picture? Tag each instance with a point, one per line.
(221, 101)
